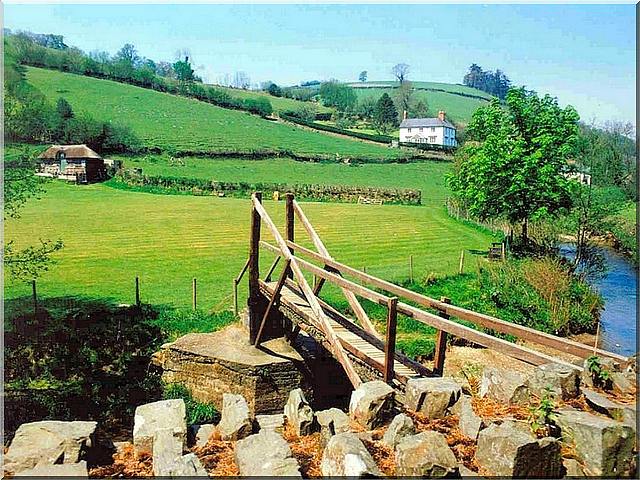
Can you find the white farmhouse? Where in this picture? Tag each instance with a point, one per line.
(436, 131)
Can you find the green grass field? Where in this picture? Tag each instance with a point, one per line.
(426, 176)
(459, 109)
(449, 87)
(178, 123)
(279, 103)
(111, 236)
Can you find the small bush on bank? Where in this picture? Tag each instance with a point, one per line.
(197, 412)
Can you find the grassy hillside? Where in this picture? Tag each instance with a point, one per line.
(458, 108)
(177, 123)
(279, 103)
(449, 87)
(110, 236)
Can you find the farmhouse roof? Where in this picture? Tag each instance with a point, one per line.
(425, 122)
(70, 151)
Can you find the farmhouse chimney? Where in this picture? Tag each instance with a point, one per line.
(404, 115)
(441, 115)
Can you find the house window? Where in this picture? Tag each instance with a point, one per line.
(409, 130)
(420, 128)
(432, 139)
(433, 129)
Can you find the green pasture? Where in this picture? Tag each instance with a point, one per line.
(110, 236)
(180, 124)
(279, 103)
(426, 176)
(449, 87)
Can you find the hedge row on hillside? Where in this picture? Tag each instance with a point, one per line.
(428, 146)
(320, 193)
(386, 139)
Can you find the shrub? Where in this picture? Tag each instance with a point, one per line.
(261, 106)
(197, 412)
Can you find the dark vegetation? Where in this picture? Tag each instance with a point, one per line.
(88, 359)
(496, 83)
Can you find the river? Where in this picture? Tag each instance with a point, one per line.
(619, 288)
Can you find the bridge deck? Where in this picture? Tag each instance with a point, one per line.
(356, 341)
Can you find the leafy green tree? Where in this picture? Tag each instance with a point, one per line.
(274, 90)
(419, 110)
(403, 97)
(339, 95)
(183, 71)
(366, 108)
(513, 167)
(386, 115)
(363, 76)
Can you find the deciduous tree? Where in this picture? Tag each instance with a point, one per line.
(400, 71)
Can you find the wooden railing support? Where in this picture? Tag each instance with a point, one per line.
(236, 281)
(390, 341)
(290, 221)
(441, 344)
(274, 299)
(254, 271)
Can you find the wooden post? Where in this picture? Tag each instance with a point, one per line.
(35, 298)
(411, 268)
(254, 272)
(137, 291)
(441, 344)
(503, 252)
(235, 297)
(390, 341)
(290, 218)
(195, 295)
(461, 268)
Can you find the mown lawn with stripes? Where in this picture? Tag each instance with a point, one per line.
(110, 236)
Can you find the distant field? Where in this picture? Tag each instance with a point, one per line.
(449, 87)
(279, 103)
(111, 236)
(458, 108)
(178, 123)
(426, 176)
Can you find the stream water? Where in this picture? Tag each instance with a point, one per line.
(619, 288)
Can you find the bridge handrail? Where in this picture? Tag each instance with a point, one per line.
(520, 331)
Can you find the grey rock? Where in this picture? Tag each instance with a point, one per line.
(189, 465)
(603, 405)
(266, 454)
(332, 422)
(77, 470)
(49, 442)
(604, 446)
(432, 397)
(425, 455)
(372, 404)
(510, 449)
(504, 385)
(346, 456)
(155, 416)
(167, 449)
(629, 417)
(236, 421)
(562, 381)
(201, 433)
(299, 413)
(624, 382)
(400, 427)
(469, 423)
(466, 472)
(573, 468)
(273, 422)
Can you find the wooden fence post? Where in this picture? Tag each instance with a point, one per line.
(441, 344)
(137, 291)
(411, 268)
(254, 272)
(195, 295)
(390, 341)
(461, 269)
(35, 298)
(235, 297)
(290, 219)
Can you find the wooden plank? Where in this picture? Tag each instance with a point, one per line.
(390, 342)
(339, 352)
(273, 300)
(487, 321)
(358, 310)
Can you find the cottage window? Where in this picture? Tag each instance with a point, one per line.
(432, 139)
(433, 129)
(420, 128)
(409, 130)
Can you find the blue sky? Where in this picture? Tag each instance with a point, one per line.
(583, 54)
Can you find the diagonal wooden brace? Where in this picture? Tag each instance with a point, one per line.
(272, 301)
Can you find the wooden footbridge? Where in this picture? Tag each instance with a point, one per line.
(284, 307)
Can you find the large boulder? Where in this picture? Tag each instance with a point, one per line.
(511, 450)
(602, 404)
(604, 445)
(236, 421)
(572, 468)
(49, 442)
(425, 455)
(189, 465)
(346, 456)
(624, 382)
(266, 454)
(332, 422)
(273, 422)
(372, 404)
(400, 427)
(469, 423)
(149, 418)
(299, 413)
(432, 397)
(562, 381)
(504, 385)
(167, 449)
(76, 470)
